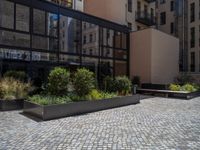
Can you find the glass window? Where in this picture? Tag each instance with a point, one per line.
(6, 14)
(71, 41)
(107, 52)
(38, 21)
(106, 68)
(44, 43)
(118, 40)
(120, 68)
(52, 24)
(14, 54)
(69, 58)
(120, 54)
(22, 17)
(90, 63)
(14, 39)
(41, 56)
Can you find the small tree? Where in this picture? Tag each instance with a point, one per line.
(83, 82)
(58, 81)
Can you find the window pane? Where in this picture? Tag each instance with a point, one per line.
(90, 63)
(107, 52)
(120, 54)
(22, 18)
(124, 41)
(14, 54)
(70, 35)
(69, 59)
(40, 56)
(39, 42)
(14, 39)
(120, 68)
(6, 14)
(44, 43)
(90, 42)
(38, 21)
(52, 24)
(118, 40)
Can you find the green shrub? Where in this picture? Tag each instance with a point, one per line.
(136, 80)
(174, 87)
(83, 82)
(13, 89)
(58, 81)
(123, 85)
(109, 84)
(49, 100)
(94, 95)
(18, 75)
(189, 87)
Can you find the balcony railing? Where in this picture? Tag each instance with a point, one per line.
(145, 18)
(65, 3)
(150, 1)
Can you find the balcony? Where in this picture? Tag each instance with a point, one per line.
(150, 1)
(145, 18)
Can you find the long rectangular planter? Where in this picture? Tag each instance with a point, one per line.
(77, 108)
(173, 94)
(6, 105)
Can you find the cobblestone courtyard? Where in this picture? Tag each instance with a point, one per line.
(155, 123)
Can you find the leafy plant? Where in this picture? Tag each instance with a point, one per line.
(13, 89)
(49, 99)
(123, 85)
(58, 81)
(18, 75)
(109, 84)
(83, 82)
(94, 95)
(189, 88)
(174, 87)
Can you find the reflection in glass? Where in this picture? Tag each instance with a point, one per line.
(40, 56)
(52, 24)
(38, 21)
(14, 39)
(14, 54)
(120, 68)
(90, 39)
(22, 18)
(70, 35)
(6, 14)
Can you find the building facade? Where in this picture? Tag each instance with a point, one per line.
(182, 19)
(136, 14)
(36, 36)
(150, 57)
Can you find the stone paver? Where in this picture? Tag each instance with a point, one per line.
(155, 123)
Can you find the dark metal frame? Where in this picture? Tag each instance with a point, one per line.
(82, 17)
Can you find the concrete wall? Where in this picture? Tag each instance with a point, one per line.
(113, 10)
(165, 57)
(154, 56)
(140, 55)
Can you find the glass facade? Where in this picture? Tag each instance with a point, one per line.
(38, 36)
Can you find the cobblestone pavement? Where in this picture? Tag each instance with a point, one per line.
(155, 123)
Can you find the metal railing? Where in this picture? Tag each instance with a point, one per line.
(145, 18)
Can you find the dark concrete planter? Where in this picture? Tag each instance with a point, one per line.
(77, 108)
(187, 96)
(172, 94)
(6, 105)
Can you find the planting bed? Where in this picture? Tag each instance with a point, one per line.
(77, 108)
